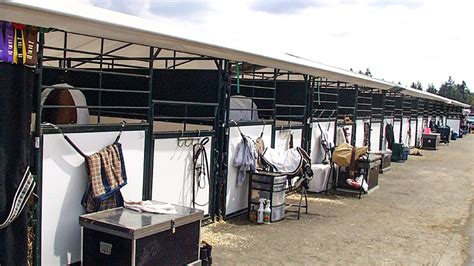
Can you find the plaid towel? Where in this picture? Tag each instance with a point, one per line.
(106, 170)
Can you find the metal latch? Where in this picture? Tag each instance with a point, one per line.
(105, 248)
(173, 227)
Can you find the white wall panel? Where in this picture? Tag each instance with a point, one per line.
(375, 135)
(282, 138)
(419, 130)
(396, 130)
(64, 180)
(173, 175)
(412, 133)
(405, 129)
(359, 140)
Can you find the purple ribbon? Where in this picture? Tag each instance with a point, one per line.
(9, 42)
(2, 41)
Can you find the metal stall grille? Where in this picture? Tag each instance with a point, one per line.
(389, 107)
(364, 104)
(325, 99)
(290, 110)
(398, 108)
(377, 116)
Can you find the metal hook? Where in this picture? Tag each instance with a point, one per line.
(180, 141)
(187, 144)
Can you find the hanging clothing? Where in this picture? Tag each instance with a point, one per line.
(16, 86)
(389, 136)
(246, 158)
(366, 134)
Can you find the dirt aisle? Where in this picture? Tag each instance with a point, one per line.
(420, 215)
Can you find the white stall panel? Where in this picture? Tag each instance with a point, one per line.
(282, 138)
(454, 124)
(405, 130)
(412, 133)
(348, 131)
(237, 196)
(317, 153)
(396, 130)
(64, 182)
(173, 175)
(419, 131)
(359, 139)
(375, 135)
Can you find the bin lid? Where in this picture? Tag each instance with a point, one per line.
(134, 225)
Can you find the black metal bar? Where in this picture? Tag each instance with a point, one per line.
(185, 117)
(97, 72)
(38, 151)
(94, 107)
(149, 142)
(96, 89)
(100, 78)
(289, 105)
(164, 102)
(109, 52)
(253, 87)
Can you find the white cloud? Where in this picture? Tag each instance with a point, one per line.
(399, 40)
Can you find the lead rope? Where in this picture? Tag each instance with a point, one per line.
(24, 191)
(200, 168)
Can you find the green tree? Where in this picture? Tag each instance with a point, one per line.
(416, 86)
(419, 86)
(368, 73)
(459, 92)
(432, 89)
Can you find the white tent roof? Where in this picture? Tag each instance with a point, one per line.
(86, 19)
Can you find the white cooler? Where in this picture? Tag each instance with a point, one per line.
(321, 174)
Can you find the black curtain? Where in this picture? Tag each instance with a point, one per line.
(16, 84)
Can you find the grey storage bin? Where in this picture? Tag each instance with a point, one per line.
(269, 186)
(125, 237)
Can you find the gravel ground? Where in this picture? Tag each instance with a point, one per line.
(421, 214)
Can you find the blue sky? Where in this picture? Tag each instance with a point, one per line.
(399, 40)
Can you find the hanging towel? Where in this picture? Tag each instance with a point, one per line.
(245, 158)
(107, 175)
(150, 206)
